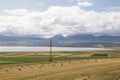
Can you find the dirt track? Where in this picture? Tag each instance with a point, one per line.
(102, 69)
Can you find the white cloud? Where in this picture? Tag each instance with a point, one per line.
(60, 20)
(115, 8)
(84, 3)
(40, 4)
(70, 1)
(17, 11)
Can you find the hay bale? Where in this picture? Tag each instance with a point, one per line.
(19, 69)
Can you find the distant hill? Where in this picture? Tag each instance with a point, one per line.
(19, 38)
(78, 40)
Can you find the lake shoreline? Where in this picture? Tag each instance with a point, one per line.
(47, 49)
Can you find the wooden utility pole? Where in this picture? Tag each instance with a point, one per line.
(50, 54)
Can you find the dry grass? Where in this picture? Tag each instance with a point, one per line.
(19, 54)
(94, 69)
(86, 69)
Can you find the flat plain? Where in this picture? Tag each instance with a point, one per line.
(66, 65)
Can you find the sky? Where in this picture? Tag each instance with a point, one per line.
(47, 18)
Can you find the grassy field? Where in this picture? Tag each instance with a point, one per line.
(66, 65)
(28, 57)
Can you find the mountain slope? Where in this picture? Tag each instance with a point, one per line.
(78, 40)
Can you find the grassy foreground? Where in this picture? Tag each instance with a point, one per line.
(75, 65)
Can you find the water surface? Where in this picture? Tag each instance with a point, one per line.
(40, 49)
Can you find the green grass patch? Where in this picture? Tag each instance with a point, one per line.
(114, 55)
(77, 58)
(45, 58)
(68, 52)
(99, 55)
(24, 59)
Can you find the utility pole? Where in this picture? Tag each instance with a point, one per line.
(50, 54)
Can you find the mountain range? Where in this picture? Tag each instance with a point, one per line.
(77, 40)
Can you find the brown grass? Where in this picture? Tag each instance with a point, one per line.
(94, 69)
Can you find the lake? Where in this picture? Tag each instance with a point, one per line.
(40, 49)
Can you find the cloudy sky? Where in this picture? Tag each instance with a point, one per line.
(66, 17)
